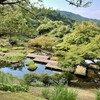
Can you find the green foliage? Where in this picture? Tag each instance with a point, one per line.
(63, 93)
(43, 42)
(98, 94)
(31, 65)
(80, 45)
(46, 93)
(5, 50)
(53, 28)
(13, 41)
(45, 78)
(55, 58)
(12, 57)
(31, 51)
(31, 78)
(6, 83)
(60, 31)
(16, 20)
(63, 78)
(18, 48)
(48, 26)
(13, 87)
(37, 84)
(60, 93)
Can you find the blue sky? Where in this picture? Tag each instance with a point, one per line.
(93, 11)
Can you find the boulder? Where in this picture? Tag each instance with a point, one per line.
(80, 70)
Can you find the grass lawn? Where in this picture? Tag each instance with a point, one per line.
(18, 96)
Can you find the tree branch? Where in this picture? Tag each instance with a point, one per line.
(4, 3)
(79, 3)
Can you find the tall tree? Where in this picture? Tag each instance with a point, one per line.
(81, 45)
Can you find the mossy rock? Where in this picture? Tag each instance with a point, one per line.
(18, 48)
(31, 66)
(31, 51)
(4, 50)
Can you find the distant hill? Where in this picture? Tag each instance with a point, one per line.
(78, 17)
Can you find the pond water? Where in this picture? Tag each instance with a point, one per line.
(21, 69)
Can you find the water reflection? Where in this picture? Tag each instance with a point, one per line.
(20, 69)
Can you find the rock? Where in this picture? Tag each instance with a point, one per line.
(80, 70)
(91, 73)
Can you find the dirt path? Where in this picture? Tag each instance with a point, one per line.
(86, 94)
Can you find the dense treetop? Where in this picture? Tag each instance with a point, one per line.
(80, 45)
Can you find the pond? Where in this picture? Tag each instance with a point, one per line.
(20, 70)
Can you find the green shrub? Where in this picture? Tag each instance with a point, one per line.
(54, 58)
(45, 78)
(2, 45)
(31, 78)
(37, 84)
(67, 77)
(44, 42)
(21, 44)
(56, 77)
(13, 87)
(98, 94)
(7, 83)
(60, 53)
(13, 41)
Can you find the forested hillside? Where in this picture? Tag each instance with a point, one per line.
(77, 17)
(25, 20)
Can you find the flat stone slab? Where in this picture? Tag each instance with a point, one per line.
(50, 64)
(37, 56)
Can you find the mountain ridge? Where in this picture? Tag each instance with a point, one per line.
(77, 17)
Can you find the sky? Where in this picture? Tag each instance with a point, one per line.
(93, 11)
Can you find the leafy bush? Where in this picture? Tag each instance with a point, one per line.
(67, 77)
(45, 78)
(54, 58)
(43, 42)
(7, 83)
(13, 41)
(13, 87)
(60, 53)
(31, 78)
(37, 84)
